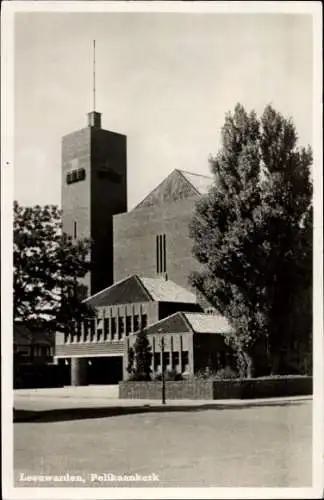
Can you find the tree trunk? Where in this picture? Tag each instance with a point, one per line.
(245, 364)
(249, 365)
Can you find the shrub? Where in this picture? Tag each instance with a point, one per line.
(223, 373)
(170, 376)
(139, 377)
(226, 373)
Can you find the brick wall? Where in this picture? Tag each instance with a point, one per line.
(108, 197)
(174, 390)
(76, 153)
(135, 241)
(92, 202)
(222, 389)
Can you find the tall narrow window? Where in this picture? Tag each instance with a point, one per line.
(128, 325)
(144, 320)
(113, 327)
(161, 253)
(106, 328)
(164, 253)
(157, 253)
(121, 327)
(75, 231)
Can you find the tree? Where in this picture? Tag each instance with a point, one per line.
(253, 236)
(131, 360)
(142, 357)
(47, 267)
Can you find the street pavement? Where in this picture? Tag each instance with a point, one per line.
(88, 431)
(38, 400)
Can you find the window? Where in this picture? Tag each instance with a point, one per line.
(78, 332)
(86, 330)
(81, 174)
(128, 325)
(166, 360)
(175, 359)
(92, 323)
(113, 327)
(185, 360)
(106, 328)
(99, 328)
(144, 320)
(121, 326)
(157, 360)
(136, 323)
(161, 253)
(75, 175)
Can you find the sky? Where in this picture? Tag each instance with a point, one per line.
(166, 80)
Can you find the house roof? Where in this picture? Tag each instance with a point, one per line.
(208, 323)
(178, 185)
(197, 323)
(22, 335)
(162, 290)
(141, 289)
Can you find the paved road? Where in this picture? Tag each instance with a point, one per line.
(88, 432)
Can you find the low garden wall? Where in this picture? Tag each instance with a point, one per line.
(266, 387)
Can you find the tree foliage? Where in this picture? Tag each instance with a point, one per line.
(253, 236)
(47, 267)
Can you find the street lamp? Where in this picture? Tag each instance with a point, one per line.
(162, 367)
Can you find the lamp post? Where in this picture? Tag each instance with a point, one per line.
(162, 366)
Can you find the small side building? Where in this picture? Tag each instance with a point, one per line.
(192, 342)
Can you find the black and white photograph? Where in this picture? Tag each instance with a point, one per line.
(161, 257)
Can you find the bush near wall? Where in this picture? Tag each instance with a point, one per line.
(266, 387)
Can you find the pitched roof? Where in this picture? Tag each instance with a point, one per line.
(208, 323)
(182, 322)
(162, 290)
(140, 289)
(202, 183)
(178, 185)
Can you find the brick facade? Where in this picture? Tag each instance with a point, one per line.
(135, 241)
(89, 204)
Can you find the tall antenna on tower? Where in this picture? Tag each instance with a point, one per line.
(94, 75)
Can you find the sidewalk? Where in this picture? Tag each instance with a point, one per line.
(101, 401)
(109, 394)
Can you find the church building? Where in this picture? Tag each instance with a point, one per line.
(141, 261)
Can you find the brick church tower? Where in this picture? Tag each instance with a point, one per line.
(94, 188)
